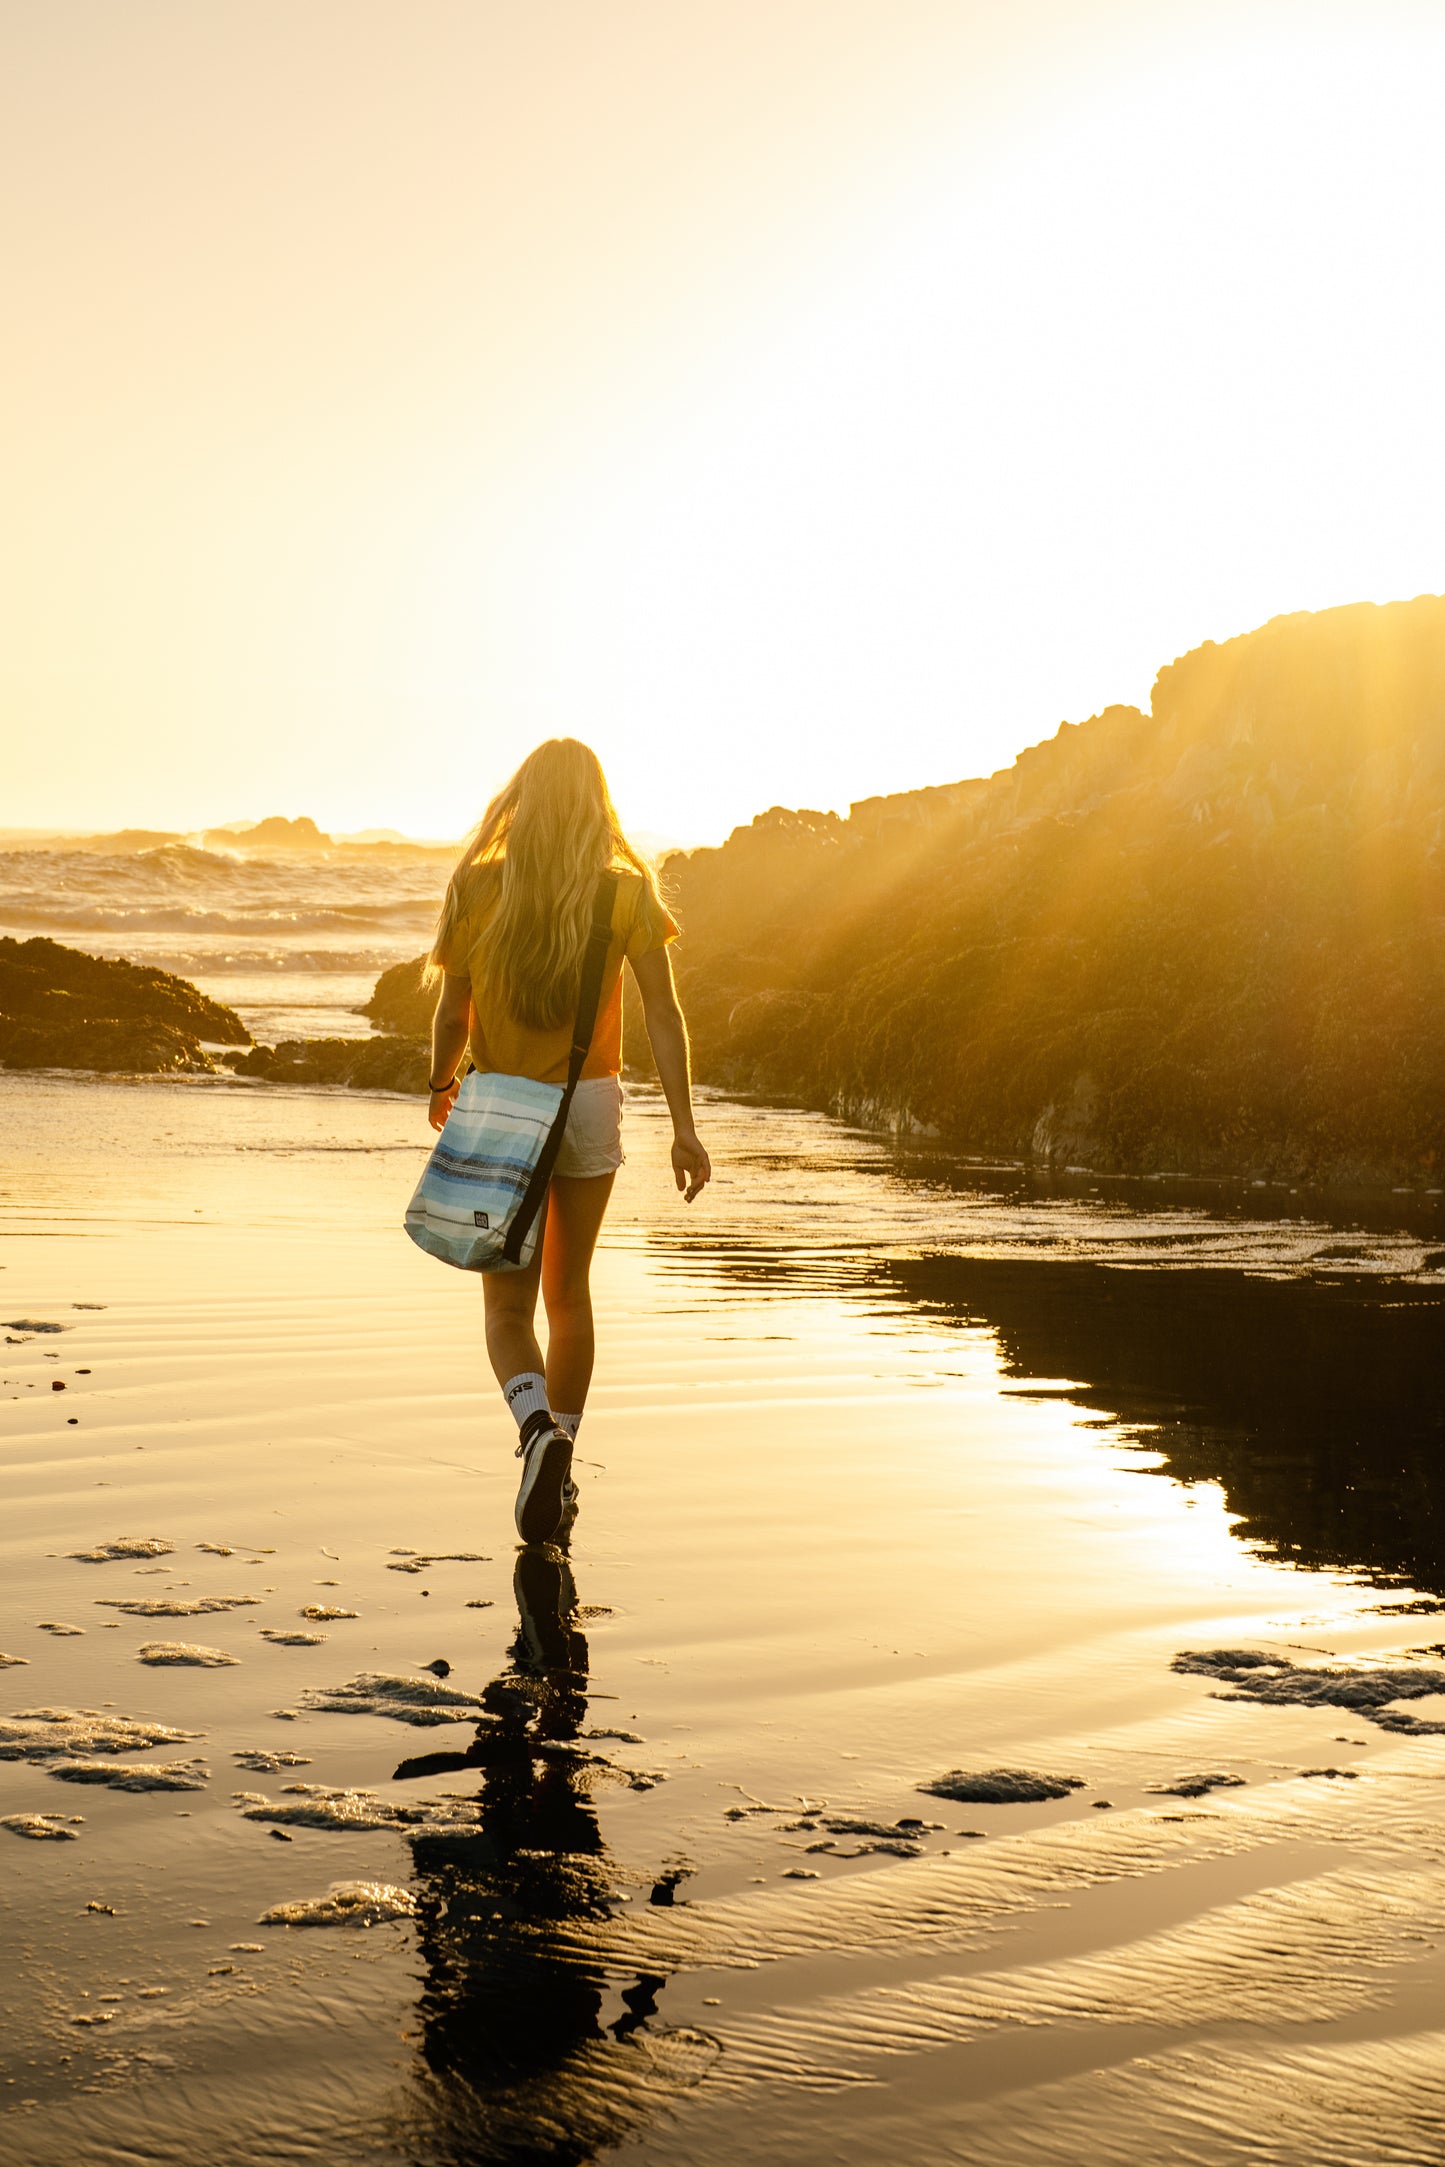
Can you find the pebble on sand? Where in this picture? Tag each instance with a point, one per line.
(8, 1662)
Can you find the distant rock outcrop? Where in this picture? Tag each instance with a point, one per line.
(277, 833)
(119, 843)
(60, 1008)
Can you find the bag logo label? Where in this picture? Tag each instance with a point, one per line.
(482, 1220)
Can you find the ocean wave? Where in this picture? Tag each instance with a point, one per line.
(204, 915)
(46, 914)
(363, 963)
(179, 871)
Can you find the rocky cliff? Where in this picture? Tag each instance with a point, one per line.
(1209, 938)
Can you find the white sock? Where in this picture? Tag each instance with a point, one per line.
(570, 1423)
(526, 1394)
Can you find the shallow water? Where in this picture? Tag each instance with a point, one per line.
(894, 1469)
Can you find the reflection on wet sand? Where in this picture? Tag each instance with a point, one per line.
(1316, 1405)
(519, 2063)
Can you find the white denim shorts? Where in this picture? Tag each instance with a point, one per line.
(592, 1139)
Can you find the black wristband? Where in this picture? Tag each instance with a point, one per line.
(440, 1087)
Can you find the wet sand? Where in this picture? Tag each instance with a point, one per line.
(458, 1853)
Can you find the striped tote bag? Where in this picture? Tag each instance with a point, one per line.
(479, 1202)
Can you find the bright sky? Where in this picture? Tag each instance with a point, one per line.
(799, 399)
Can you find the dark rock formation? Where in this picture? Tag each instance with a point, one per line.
(366, 1064)
(1209, 939)
(398, 1002)
(109, 1047)
(60, 1008)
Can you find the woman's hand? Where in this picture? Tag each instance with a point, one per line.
(691, 1166)
(442, 1103)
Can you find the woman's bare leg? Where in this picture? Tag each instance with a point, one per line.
(574, 1220)
(511, 1305)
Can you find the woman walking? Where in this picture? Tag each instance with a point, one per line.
(510, 947)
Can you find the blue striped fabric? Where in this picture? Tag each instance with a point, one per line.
(479, 1169)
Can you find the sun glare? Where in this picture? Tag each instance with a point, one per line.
(1165, 368)
(1101, 360)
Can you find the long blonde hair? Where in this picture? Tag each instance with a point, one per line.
(529, 871)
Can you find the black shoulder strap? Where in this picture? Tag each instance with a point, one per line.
(589, 993)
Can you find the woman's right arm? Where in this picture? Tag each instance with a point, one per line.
(667, 1033)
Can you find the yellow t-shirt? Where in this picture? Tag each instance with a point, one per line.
(498, 1043)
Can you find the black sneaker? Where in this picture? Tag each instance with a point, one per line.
(546, 1456)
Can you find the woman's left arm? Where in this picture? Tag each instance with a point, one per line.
(450, 1028)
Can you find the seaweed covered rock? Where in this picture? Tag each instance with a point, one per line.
(48, 984)
(365, 1064)
(1205, 939)
(61, 1008)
